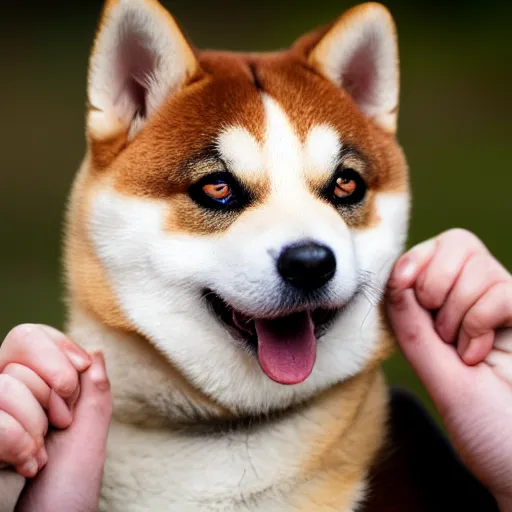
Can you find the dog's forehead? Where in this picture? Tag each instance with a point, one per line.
(282, 154)
(301, 123)
(264, 114)
(305, 98)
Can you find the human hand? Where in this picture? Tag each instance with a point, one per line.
(51, 380)
(449, 302)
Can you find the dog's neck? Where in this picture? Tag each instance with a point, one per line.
(325, 445)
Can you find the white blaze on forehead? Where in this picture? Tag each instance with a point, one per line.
(283, 150)
(281, 156)
(322, 150)
(240, 150)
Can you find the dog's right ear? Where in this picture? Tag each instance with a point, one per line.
(139, 57)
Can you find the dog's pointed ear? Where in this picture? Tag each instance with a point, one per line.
(139, 57)
(360, 53)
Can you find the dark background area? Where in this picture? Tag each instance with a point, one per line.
(455, 122)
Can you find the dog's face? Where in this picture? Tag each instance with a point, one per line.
(242, 212)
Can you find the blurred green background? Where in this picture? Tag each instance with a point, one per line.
(455, 122)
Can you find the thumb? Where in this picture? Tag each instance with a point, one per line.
(71, 480)
(436, 363)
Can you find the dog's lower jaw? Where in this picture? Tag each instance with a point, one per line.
(312, 458)
(147, 390)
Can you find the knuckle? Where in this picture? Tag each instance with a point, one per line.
(19, 333)
(26, 450)
(13, 369)
(16, 443)
(487, 265)
(464, 240)
(463, 235)
(502, 302)
(474, 321)
(64, 382)
(7, 384)
(498, 273)
(429, 294)
(507, 292)
(10, 430)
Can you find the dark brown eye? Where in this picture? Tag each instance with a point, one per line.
(347, 188)
(217, 191)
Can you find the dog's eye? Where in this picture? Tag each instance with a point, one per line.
(219, 190)
(347, 188)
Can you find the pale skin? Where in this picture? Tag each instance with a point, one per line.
(462, 353)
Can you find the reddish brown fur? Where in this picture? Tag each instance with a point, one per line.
(174, 149)
(225, 92)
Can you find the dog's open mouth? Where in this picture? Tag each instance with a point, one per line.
(286, 345)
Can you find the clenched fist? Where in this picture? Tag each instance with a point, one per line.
(55, 408)
(450, 305)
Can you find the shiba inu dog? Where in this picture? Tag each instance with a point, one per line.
(229, 235)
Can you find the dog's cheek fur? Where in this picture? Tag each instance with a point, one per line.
(140, 252)
(86, 277)
(152, 274)
(152, 270)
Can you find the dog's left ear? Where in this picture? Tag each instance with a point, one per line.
(360, 53)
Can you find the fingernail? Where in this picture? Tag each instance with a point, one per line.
(406, 268)
(79, 358)
(80, 362)
(42, 457)
(29, 469)
(99, 372)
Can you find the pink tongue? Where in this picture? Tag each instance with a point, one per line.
(287, 347)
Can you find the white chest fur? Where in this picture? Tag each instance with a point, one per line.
(264, 467)
(156, 470)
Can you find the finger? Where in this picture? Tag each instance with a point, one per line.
(436, 280)
(78, 357)
(437, 364)
(32, 346)
(492, 311)
(478, 275)
(59, 414)
(416, 260)
(77, 454)
(409, 265)
(17, 401)
(17, 447)
(500, 359)
(474, 350)
(37, 386)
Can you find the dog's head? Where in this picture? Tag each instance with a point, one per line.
(242, 212)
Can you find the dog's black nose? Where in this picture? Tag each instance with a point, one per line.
(307, 265)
